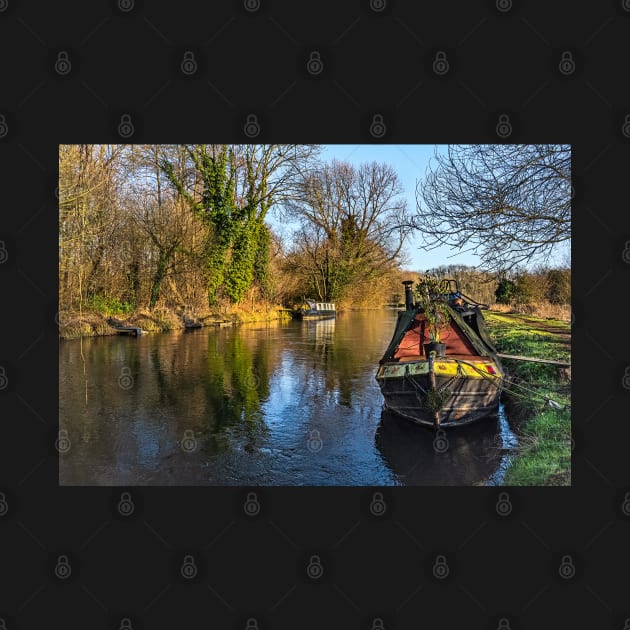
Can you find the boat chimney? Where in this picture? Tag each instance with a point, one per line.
(408, 294)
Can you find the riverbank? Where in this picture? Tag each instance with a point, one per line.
(537, 397)
(92, 323)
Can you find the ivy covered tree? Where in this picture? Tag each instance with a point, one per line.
(209, 190)
(231, 188)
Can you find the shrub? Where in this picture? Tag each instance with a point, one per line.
(505, 291)
(108, 306)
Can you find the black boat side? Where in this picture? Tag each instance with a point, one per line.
(461, 387)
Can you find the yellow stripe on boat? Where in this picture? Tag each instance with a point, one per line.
(487, 369)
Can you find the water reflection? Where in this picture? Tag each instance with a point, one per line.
(244, 406)
(471, 455)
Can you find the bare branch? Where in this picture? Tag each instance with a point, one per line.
(510, 204)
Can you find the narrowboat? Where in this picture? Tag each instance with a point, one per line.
(450, 384)
(311, 309)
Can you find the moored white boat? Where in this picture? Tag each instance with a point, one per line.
(312, 309)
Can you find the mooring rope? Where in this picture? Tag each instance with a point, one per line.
(504, 384)
(508, 386)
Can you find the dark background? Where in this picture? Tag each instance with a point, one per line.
(123, 58)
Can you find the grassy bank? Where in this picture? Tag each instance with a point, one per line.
(94, 323)
(544, 454)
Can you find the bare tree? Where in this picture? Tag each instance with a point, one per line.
(157, 212)
(510, 204)
(352, 225)
(88, 189)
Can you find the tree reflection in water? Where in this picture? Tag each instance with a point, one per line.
(248, 399)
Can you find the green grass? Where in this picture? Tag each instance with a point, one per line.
(544, 453)
(108, 306)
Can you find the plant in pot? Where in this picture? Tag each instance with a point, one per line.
(429, 292)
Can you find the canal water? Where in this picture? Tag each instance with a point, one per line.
(284, 403)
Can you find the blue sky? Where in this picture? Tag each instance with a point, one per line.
(410, 162)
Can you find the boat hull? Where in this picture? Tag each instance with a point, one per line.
(470, 390)
(315, 315)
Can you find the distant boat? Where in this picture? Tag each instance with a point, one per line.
(460, 383)
(312, 309)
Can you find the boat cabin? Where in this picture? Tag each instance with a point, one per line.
(312, 309)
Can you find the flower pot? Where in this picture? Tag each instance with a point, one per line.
(440, 348)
